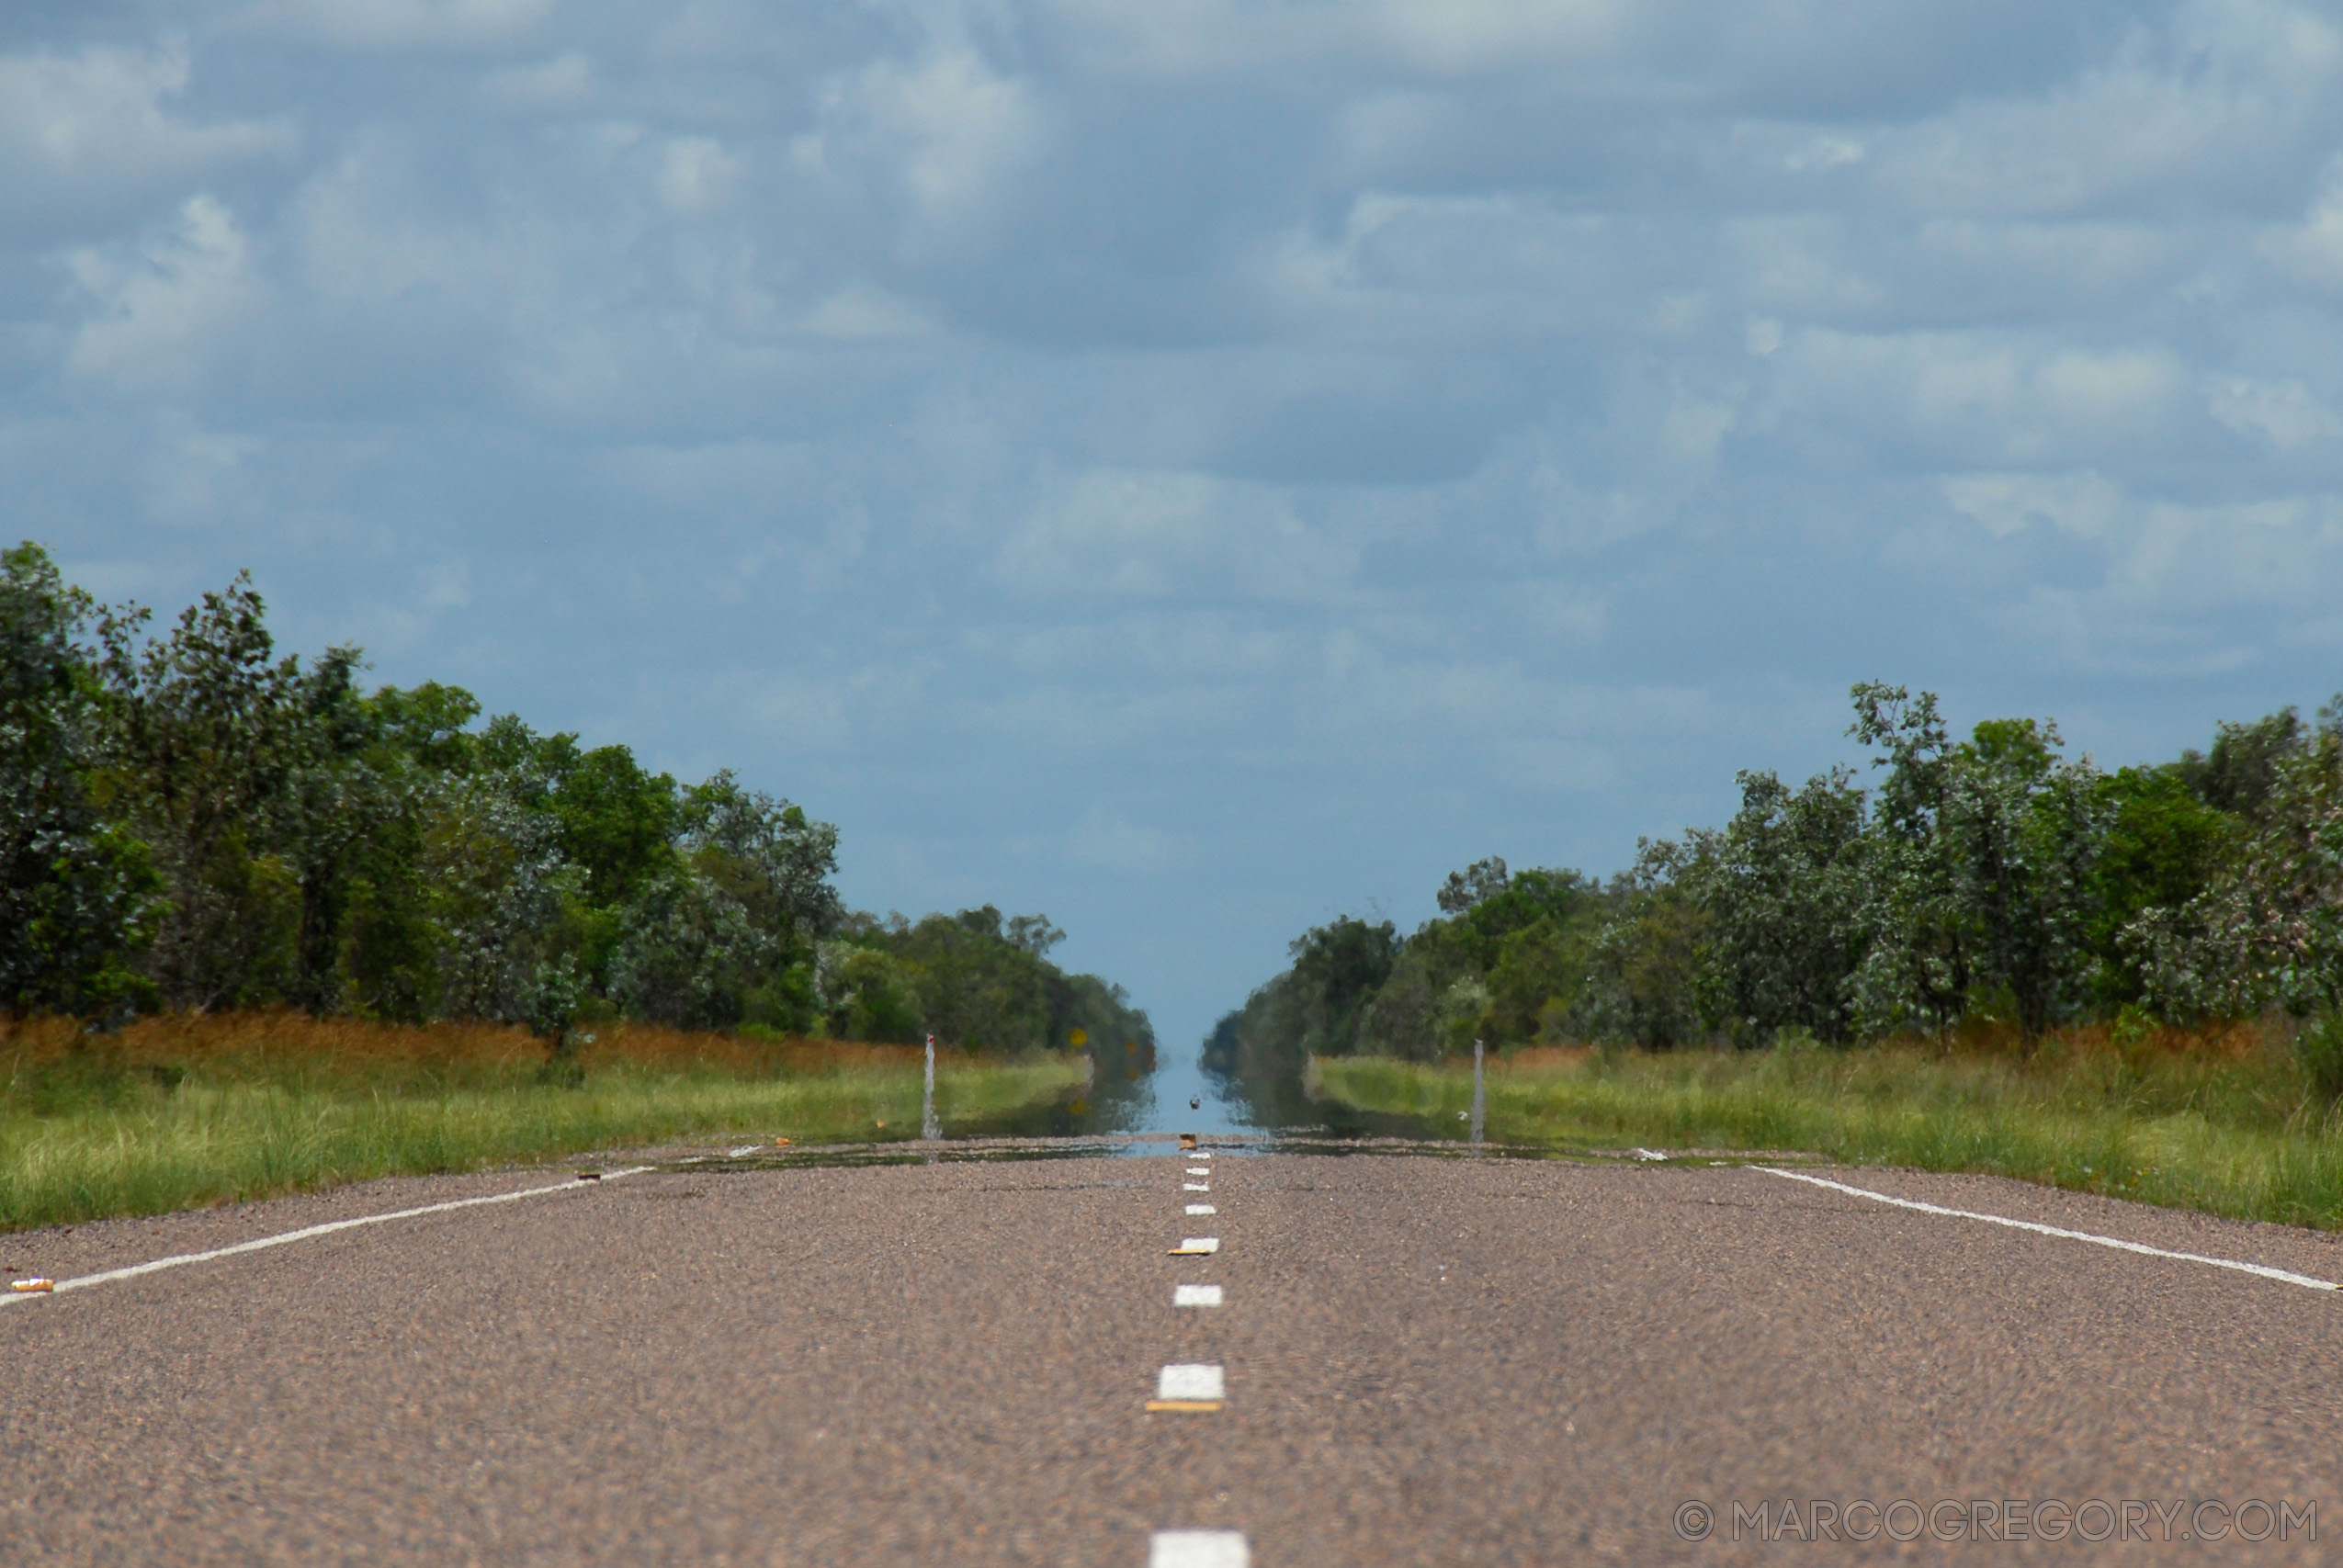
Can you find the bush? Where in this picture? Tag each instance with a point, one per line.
(2319, 1048)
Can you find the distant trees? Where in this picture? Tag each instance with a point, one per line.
(1989, 878)
(190, 820)
(977, 979)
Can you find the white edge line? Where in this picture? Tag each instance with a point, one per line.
(180, 1259)
(2263, 1269)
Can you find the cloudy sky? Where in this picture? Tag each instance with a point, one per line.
(1196, 466)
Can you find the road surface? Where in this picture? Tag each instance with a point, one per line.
(1425, 1362)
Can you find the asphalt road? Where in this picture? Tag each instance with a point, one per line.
(1426, 1360)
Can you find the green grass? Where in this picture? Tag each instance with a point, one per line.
(2233, 1128)
(87, 1134)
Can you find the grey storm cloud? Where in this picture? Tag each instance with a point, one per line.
(1200, 465)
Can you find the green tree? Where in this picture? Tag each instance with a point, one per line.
(2240, 774)
(618, 820)
(1645, 967)
(1785, 892)
(1982, 891)
(206, 739)
(73, 889)
(2163, 844)
(2269, 929)
(980, 990)
(688, 954)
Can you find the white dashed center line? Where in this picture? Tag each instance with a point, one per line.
(1195, 1187)
(1196, 1295)
(1199, 1170)
(1191, 1380)
(1199, 1549)
(1201, 1209)
(1196, 1247)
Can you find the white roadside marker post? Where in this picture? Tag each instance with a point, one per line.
(929, 1126)
(1481, 1104)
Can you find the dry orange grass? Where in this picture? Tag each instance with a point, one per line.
(2234, 1038)
(1978, 1037)
(237, 1042)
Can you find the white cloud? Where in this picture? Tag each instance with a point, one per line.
(2286, 414)
(862, 312)
(1112, 842)
(1988, 398)
(562, 82)
(697, 176)
(1136, 535)
(2080, 503)
(2191, 112)
(160, 314)
(947, 131)
(408, 24)
(2313, 249)
(1825, 153)
(72, 125)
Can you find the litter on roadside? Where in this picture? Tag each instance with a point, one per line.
(1649, 1154)
(589, 1176)
(35, 1283)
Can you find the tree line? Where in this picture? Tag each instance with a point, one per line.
(1992, 878)
(190, 821)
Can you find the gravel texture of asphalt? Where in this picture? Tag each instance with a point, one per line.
(1427, 1361)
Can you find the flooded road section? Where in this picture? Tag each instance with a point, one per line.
(1140, 1119)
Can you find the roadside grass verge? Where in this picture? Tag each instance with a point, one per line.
(174, 1113)
(2226, 1121)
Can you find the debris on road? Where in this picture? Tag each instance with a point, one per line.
(35, 1283)
(589, 1176)
(1187, 1140)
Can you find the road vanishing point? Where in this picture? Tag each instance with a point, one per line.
(1131, 1354)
